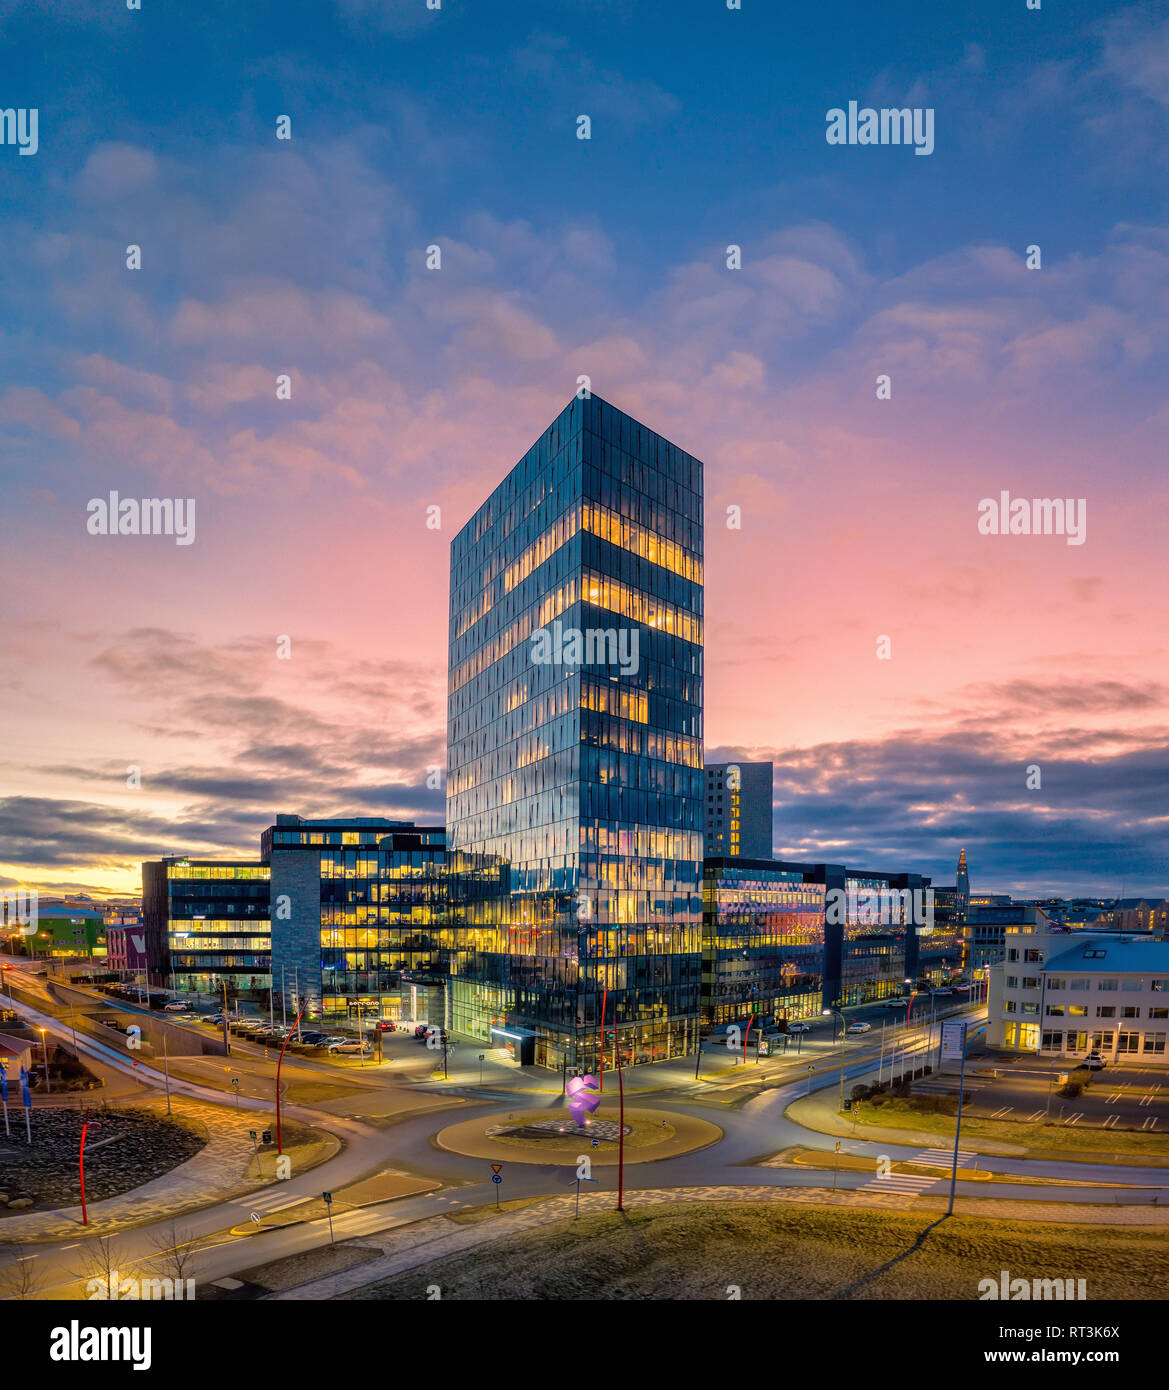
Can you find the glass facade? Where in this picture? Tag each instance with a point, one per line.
(385, 938)
(763, 931)
(574, 745)
(217, 925)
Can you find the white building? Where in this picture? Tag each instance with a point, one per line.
(1064, 994)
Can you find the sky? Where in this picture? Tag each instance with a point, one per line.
(146, 708)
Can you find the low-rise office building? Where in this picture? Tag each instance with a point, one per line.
(1065, 994)
(205, 925)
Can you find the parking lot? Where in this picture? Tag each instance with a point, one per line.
(1027, 1089)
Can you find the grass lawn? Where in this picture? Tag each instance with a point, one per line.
(777, 1251)
(1049, 1140)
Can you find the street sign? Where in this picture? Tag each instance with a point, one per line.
(495, 1177)
(256, 1217)
(497, 1167)
(953, 1040)
(327, 1198)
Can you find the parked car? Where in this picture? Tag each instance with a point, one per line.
(859, 1028)
(421, 1030)
(799, 1027)
(351, 1046)
(176, 1007)
(941, 991)
(897, 1004)
(1094, 1062)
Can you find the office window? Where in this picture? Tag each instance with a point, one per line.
(1055, 1011)
(1159, 1013)
(1012, 982)
(1082, 982)
(1110, 985)
(1077, 1010)
(1030, 1008)
(1012, 954)
(1055, 982)
(1159, 986)
(1098, 1041)
(1012, 1007)
(1132, 985)
(1105, 1010)
(1129, 1041)
(1032, 956)
(1052, 1041)
(1155, 1042)
(1030, 981)
(1130, 1011)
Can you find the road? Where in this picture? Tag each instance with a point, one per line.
(752, 1130)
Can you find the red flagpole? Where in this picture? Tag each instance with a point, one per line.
(620, 1139)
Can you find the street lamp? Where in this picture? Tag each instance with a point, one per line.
(45, 1058)
(826, 1013)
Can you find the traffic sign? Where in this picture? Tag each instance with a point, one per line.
(256, 1217)
(327, 1198)
(497, 1167)
(495, 1177)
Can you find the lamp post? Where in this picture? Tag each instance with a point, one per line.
(840, 1016)
(45, 1058)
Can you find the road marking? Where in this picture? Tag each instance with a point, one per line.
(998, 1114)
(1036, 1114)
(939, 1158)
(1113, 1098)
(903, 1183)
(1111, 1120)
(1146, 1100)
(1071, 1119)
(1150, 1123)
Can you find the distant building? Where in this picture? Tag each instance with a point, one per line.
(1065, 994)
(64, 931)
(987, 927)
(126, 949)
(1142, 915)
(738, 810)
(205, 923)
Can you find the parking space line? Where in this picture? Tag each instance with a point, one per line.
(1150, 1123)
(1071, 1119)
(1111, 1120)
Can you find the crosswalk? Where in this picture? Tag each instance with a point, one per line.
(906, 1184)
(940, 1158)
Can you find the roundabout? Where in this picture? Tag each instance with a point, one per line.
(550, 1135)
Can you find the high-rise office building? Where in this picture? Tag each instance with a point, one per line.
(738, 810)
(574, 747)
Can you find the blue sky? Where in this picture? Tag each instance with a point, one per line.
(458, 128)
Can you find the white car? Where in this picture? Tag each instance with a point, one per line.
(859, 1028)
(175, 1008)
(799, 1027)
(350, 1047)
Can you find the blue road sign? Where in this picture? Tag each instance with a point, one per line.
(496, 1177)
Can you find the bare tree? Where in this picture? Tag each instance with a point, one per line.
(176, 1249)
(100, 1261)
(19, 1280)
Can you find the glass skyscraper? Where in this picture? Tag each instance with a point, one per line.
(574, 747)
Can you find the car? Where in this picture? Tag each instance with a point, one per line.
(859, 1028)
(383, 1025)
(799, 1027)
(895, 1004)
(176, 1007)
(350, 1046)
(421, 1030)
(1094, 1062)
(941, 991)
